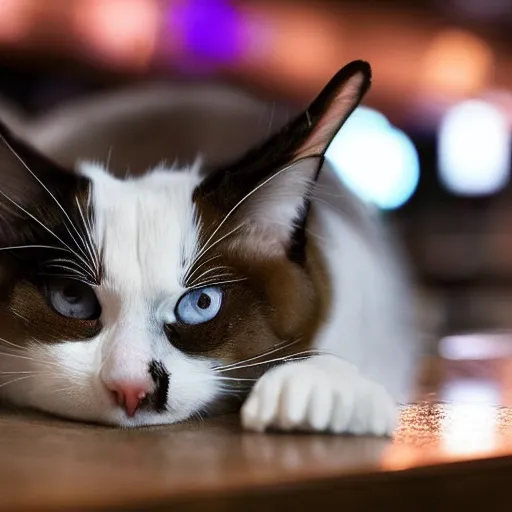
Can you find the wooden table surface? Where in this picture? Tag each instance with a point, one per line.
(452, 449)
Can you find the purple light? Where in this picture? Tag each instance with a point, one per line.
(210, 30)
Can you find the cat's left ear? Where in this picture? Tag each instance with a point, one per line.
(34, 191)
(268, 188)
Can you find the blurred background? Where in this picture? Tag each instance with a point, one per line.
(431, 147)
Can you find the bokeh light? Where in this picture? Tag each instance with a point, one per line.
(477, 347)
(209, 30)
(123, 32)
(474, 149)
(376, 160)
(470, 428)
(294, 46)
(15, 20)
(456, 64)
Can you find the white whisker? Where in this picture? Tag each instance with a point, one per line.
(66, 261)
(218, 283)
(17, 380)
(15, 247)
(234, 379)
(208, 248)
(68, 276)
(211, 279)
(226, 390)
(35, 219)
(189, 276)
(17, 347)
(28, 358)
(18, 373)
(51, 195)
(91, 246)
(56, 262)
(78, 272)
(223, 267)
(278, 348)
(292, 357)
(19, 315)
(62, 390)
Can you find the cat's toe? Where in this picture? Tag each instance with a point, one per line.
(249, 414)
(293, 402)
(343, 405)
(296, 396)
(321, 402)
(280, 399)
(374, 412)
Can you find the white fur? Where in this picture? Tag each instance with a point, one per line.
(146, 230)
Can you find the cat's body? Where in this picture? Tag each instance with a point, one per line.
(368, 325)
(191, 287)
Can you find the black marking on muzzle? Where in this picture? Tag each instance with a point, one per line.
(160, 376)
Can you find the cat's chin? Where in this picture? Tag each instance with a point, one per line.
(148, 420)
(119, 419)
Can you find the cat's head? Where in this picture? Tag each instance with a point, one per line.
(149, 300)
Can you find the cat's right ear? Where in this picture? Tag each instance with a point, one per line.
(269, 188)
(31, 187)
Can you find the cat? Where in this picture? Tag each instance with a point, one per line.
(264, 285)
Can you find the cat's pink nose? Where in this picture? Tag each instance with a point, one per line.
(129, 394)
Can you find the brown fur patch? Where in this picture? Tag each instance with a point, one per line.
(278, 301)
(35, 319)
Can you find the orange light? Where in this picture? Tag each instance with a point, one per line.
(122, 32)
(456, 64)
(15, 20)
(298, 45)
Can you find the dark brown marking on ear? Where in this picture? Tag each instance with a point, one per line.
(28, 180)
(296, 249)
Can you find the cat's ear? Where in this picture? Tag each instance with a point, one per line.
(33, 189)
(269, 187)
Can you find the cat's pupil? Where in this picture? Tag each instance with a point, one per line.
(72, 293)
(204, 301)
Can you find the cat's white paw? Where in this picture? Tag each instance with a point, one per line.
(322, 394)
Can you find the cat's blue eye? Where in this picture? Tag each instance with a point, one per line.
(199, 306)
(73, 299)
